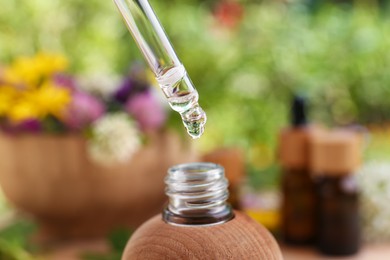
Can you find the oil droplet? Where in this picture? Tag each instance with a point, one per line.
(194, 120)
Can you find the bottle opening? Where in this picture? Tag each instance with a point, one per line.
(197, 195)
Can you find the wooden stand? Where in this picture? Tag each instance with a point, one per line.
(240, 238)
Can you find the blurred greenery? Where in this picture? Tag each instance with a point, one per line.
(14, 241)
(338, 57)
(117, 239)
(377, 144)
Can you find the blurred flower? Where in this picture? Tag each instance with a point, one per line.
(66, 81)
(100, 85)
(49, 99)
(228, 13)
(28, 90)
(7, 95)
(146, 110)
(136, 81)
(21, 71)
(83, 110)
(30, 125)
(374, 179)
(128, 88)
(22, 110)
(48, 64)
(115, 139)
(29, 71)
(37, 96)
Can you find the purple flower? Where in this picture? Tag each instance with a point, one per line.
(30, 125)
(123, 93)
(65, 81)
(83, 110)
(146, 110)
(129, 88)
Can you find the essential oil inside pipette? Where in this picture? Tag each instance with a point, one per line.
(183, 98)
(163, 61)
(194, 120)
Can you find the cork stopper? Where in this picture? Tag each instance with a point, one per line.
(293, 148)
(335, 153)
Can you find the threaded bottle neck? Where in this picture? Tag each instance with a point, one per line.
(197, 195)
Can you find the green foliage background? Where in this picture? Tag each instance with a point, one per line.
(337, 57)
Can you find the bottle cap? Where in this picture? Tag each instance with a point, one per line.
(293, 144)
(335, 153)
(298, 111)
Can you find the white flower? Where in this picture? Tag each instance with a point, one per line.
(374, 179)
(115, 139)
(103, 85)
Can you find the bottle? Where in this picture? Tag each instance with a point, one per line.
(199, 224)
(334, 158)
(298, 195)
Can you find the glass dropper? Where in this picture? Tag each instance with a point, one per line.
(163, 61)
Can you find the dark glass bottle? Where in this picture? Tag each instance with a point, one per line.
(334, 158)
(338, 215)
(298, 194)
(298, 210)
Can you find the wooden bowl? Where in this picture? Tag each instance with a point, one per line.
(53, 179)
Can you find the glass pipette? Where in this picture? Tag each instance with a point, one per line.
(163, 61)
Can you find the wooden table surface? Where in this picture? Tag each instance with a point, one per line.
(72, 251)
(367, 252)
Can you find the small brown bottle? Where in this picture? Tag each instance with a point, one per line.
(199, 224)
(298, 195)
(334, 158)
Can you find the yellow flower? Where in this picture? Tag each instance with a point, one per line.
(29, 92)
(48, 64)
(7, 96)
(50, 99)
(22, 71)
(22, 111)
(30, 71)
(35, 103)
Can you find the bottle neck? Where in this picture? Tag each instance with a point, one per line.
(197, 195)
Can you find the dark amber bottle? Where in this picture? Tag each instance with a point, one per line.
(334, 158)
(298, 194)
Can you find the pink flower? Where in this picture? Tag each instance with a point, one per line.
(146, 110)
(66, 81)
(83, 110)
